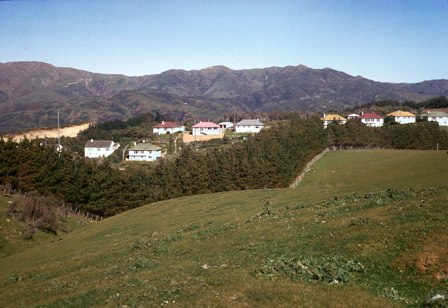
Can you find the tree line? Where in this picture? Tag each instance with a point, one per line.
(270, 159)
(416, 136)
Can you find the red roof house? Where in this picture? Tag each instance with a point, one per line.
(372, 119)
(206, 128)
(167, 128)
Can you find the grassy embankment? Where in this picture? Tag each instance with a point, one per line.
(369, 246)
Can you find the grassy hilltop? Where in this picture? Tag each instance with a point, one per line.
(364, 228)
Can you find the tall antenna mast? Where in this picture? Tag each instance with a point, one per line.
(59, 137)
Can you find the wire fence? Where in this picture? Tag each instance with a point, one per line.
(69, 208)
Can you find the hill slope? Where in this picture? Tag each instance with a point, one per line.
(262, 247)
(31, 91)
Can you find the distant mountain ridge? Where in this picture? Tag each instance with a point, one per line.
(31, 92)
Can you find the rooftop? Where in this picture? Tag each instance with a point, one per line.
(250, 122)
(333, 117)
(370, 115)
(205, 124)
(98, 143)
(145, 147)
(400, 113)
(167, 125)
(434, 114)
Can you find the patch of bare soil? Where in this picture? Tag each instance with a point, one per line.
(68, 131)
(432, 257)
(187, 138)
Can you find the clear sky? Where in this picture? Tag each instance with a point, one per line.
(383, 40)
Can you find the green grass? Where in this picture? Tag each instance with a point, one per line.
(248, 248)
(12, 231)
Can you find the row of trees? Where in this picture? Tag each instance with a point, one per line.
(269, 159)
(272, 158)
(419, 136)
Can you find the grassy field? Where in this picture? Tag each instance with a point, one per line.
(364, 228)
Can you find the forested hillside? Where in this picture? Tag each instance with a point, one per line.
(31, 93)
(272, 158)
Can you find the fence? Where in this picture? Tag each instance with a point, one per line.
(8, 191)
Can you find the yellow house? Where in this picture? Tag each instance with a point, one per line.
(330, 118)
(402, 117)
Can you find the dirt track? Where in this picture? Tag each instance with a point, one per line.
(69, 131)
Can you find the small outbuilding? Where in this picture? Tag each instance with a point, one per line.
(225, 125)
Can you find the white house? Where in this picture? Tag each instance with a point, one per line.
(99, 148)
(225, 125)
(145, 152)
(372, 119)
(206, 128)
(437, 116)
(402, 117)
(353, 116)
(167, 128)
(333, 118)
(248, 126)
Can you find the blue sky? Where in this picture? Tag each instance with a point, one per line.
(393, 40)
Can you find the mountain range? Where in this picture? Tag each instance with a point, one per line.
(32, 92)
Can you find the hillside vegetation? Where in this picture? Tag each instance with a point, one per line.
(270, 159)
(31, 93)
(364, 228)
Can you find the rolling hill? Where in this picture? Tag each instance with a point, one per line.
(30, 92)
(377, 238)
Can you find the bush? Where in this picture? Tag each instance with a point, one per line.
(37, 212)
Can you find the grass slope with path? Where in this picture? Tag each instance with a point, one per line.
(364, 228)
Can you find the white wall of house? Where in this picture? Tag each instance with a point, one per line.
(405, 120)
(248, 128)
(443, 121)
(328, 122)
(100, 152)
(373, 122)
(145, 155)
(167, 130)
(207, 131)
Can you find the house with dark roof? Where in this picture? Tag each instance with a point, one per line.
(249, 126)
(372, 119)
(437, 116)
(206, 128)
(145, 152)
(167, 128)
(99, 148)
